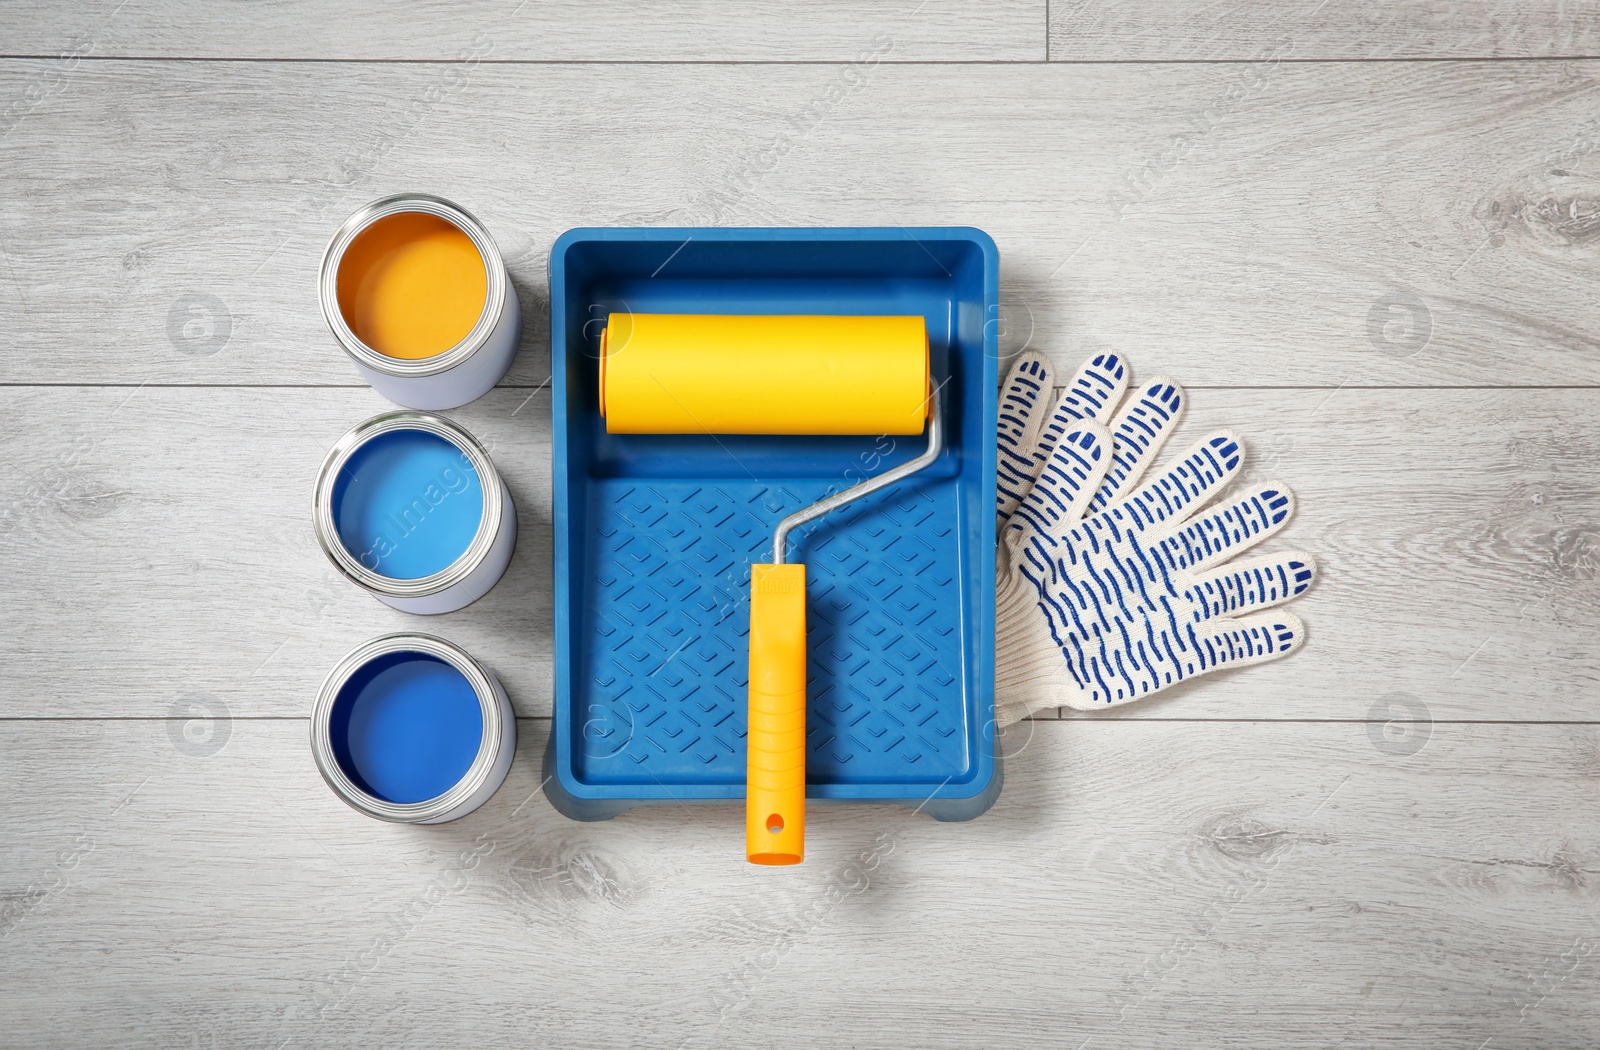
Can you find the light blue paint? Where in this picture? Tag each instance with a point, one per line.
(407, 504)
(406, 727)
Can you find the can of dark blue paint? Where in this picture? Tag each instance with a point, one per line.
(409, 728)
(409, 506)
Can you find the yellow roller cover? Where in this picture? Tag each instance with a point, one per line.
(720, 374)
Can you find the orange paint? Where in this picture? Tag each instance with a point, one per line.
(412, 285)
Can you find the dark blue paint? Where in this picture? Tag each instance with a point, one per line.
(406, 727)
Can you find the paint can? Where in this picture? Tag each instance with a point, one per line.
(409, 728)
(415, 291)
(409, 506)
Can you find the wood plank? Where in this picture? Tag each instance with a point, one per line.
(534, 30)
(1291, 886)
(1414, 224)
(158, 543)
(1208, 31)
(715, 30)
(169, 534)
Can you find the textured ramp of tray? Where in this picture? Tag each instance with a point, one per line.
(671, 578)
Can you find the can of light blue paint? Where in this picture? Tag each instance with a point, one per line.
(409, 506)
(409, 728)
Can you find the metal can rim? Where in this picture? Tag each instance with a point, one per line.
(482, 764)
(350, 565)
(398, 204)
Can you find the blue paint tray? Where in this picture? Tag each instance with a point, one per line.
(655, 535)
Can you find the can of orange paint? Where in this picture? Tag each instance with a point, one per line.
(415, 291)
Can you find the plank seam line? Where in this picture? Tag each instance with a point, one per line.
(1062, 62)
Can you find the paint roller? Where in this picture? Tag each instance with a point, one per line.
(709, 374)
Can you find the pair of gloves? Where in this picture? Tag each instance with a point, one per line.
(1110, 590)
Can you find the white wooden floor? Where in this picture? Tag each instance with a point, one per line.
(1365, 233)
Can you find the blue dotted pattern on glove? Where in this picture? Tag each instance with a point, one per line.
(1138, 433)
(1126, 592)
(1030, 427)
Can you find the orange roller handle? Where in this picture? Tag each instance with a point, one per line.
(775, 789)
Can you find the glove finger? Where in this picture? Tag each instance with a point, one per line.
(1250, 640)
(1096, 388)
(1112, 676)
(1185, 485)
(1215, 535)
(1092, 395)
(1255, 583)
(1024, 401)
(1065, 485)
(1138, 432)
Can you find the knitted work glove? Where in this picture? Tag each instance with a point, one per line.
(1113, 592)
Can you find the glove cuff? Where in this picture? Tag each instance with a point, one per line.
(1029, 672)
